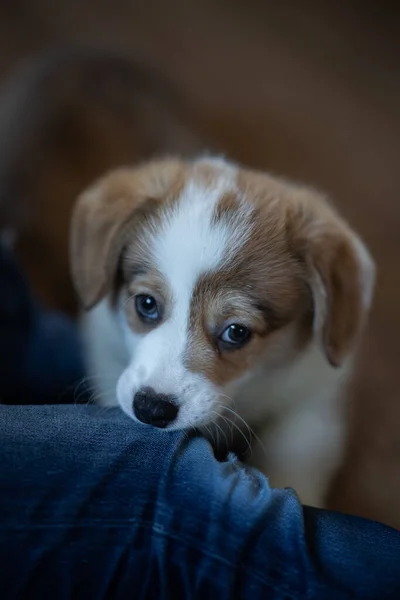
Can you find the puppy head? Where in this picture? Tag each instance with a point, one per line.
(214, 271)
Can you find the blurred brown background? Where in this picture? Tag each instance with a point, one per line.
(310, 90)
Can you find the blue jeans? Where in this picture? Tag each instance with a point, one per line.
(95, 506)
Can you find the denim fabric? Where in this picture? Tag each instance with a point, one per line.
(93, 506)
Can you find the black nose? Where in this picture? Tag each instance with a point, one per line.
(154, 409)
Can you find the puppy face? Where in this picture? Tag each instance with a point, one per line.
(212, 272)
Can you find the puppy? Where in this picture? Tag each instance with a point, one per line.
(217, 291)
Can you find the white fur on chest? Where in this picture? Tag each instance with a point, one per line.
(309, 381)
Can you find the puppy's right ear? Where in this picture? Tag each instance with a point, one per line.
(100, 219)
(340, 273)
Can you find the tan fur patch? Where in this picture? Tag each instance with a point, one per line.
(241, 295)
(226, 208)
(104, 220)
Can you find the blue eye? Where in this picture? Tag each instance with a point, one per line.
(235, 335)
(146, 308)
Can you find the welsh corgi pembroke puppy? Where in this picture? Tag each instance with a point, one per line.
(220, 294)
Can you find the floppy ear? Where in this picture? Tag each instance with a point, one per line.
(341, 276)
(100, 219)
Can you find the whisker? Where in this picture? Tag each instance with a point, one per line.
(229, 424)
(80, 388)
(94, 394)
(219, 427)
(231, 400)
(248, 441)
(210, 434)
(251, 431)
(235, 414)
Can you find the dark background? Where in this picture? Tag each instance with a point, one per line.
(310, 90)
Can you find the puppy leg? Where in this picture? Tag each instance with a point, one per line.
(302, 451)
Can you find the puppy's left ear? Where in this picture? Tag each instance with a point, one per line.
(102, 218)
(341, 276)
(98, 219)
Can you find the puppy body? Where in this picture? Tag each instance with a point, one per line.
(260, 292)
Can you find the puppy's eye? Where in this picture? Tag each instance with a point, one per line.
(235, 336)
(146, 308)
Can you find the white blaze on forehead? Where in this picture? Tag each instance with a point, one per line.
(191, 242)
